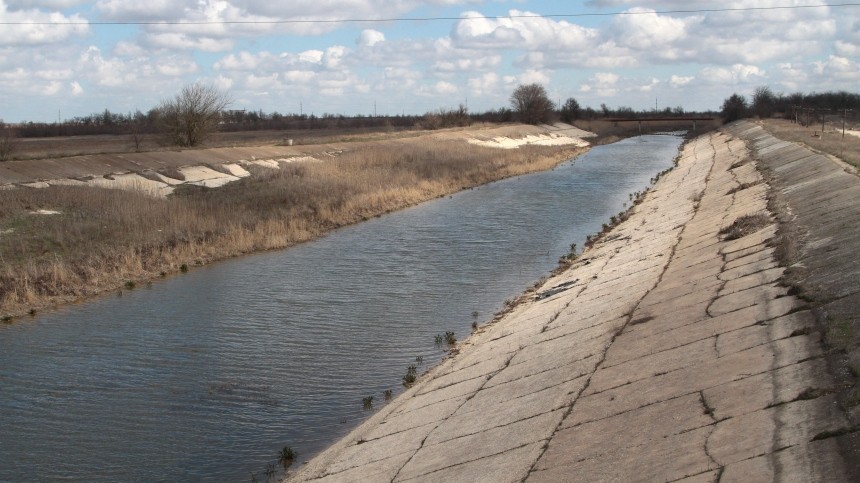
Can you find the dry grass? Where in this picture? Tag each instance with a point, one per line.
(745, 225)
(103, 238)
(832, 142)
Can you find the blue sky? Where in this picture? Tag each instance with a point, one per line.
(638, 56)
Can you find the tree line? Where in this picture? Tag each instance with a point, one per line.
(765, 104)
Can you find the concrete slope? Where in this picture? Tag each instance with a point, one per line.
(672, 353)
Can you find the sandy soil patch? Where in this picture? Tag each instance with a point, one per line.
(552, 139)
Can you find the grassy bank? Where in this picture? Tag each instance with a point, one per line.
(832, 142)
(107, 239)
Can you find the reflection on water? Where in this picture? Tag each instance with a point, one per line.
(207, 375)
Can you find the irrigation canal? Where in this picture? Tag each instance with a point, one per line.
(206, 376)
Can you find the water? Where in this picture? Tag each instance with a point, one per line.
(207, 375)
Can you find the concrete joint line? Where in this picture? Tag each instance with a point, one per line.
(442, 421)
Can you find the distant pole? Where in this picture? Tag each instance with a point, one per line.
(301, 109)
(374, 108)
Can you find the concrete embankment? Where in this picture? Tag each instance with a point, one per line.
(674, 352)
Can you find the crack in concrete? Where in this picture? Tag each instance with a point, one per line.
(627, 322)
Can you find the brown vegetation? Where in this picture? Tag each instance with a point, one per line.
(832, 142)
(103, 238)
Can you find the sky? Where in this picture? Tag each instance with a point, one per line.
(65, 58)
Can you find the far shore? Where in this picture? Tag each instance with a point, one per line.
(64, 237)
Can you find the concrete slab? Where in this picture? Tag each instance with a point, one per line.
(772, 429)
(813, 461)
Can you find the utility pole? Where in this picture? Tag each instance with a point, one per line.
(844, 114)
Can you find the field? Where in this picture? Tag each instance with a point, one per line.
(832, 142)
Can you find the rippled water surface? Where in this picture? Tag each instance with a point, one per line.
(207, 375)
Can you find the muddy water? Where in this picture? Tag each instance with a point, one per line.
(207, 375)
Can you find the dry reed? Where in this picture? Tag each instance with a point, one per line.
(103, 238)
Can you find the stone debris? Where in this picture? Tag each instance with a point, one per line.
(666, 352)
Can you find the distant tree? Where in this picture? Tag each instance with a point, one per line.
(570, 110)
(764, 102)
(189, 117)
(605, 110)
(734, 108)
(531, 103)
(8, 141)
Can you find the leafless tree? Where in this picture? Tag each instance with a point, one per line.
(189, 117)
(8, 142)
(532, 103)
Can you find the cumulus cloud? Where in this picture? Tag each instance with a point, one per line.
(679, 81)
(76, 88)
(369, 38)
(49, 4)
(734, 75)
(25, 27)
(605, 84)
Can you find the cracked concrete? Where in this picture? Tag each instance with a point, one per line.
(673, 354)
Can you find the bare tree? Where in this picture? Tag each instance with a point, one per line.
(532, 103)
(8, 142)
(570, 110)
(189, 117)
(763, 102)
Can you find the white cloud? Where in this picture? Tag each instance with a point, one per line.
(76, 88)
(180, 41)
(485, 84)
(533, 76)
(28, 27)
(369, 38)
(649, 85)
(176, 67)
(443, 87)
(646, 30)
(735, 75)
(678, 81)
(49, 4)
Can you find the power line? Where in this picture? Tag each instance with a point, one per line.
(431, 19)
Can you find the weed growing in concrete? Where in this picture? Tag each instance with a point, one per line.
(411, 375)
(287, 456)
(745, 225)
(445, 340)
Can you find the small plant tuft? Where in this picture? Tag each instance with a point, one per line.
(183, 268)
(287, 456)
(387, 394)
(367, 403)
(411, 375)
(745, 225)
(129, 285)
